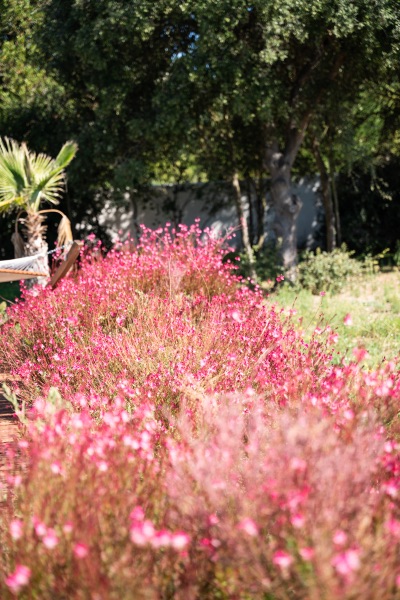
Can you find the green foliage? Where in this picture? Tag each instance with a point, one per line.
(327, 271)
(27, 178)
(267, 263)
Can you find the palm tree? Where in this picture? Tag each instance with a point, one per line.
(27, 180)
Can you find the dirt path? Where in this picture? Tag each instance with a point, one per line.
(8, 422)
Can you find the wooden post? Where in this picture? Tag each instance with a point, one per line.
(67, 264)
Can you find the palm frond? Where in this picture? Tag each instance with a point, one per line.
(10, 203)
(13, 180)
(47, 188)
(66, 154)
(64, 232)
(27, 178)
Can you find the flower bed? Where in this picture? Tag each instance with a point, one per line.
(182, 441)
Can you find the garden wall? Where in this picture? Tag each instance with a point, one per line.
(211, 203)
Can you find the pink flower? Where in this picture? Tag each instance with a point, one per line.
(68, 527)
(213, 519)
(297, 520)
(161, 539)
(137, 514)
(237, 316)
(339, 538)
(179, 540)
(360, 353)
(322, 293)
(80, 550)
(50, 539)
(248, 526)
(19, 578)
(282, 559)
(142, 532)
(348, 320)
(346, 562)
(40, 527)
(307, 553)
(16, 529)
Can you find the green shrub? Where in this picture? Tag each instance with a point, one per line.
(327, 271)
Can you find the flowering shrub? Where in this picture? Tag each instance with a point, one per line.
(180, 440)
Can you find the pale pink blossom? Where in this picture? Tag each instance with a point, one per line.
(297, 520)
(307, 553)
(248, 526)
(347, 562)
(161, 539)
(50, 539)
(142, 532)
(348, 320)
(282, 559)
(339, 538)
(16, 527)
(68, 527)
(80, 550)
(179, 540)
(19, 579)
(39, 527)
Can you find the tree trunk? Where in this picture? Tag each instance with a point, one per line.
(286, 205)
(34, 230)
(330, 221)
(335, 199)
(261, 207)
(244, 229)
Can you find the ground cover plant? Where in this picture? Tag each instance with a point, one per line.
(180, 439)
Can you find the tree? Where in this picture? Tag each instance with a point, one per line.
(26, 180)
(277, 65)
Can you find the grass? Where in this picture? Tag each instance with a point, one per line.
(373, 303)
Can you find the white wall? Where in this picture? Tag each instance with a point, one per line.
(183, 204)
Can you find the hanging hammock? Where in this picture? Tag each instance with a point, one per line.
(19, 268)
(23, 268)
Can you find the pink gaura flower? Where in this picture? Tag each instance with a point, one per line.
(348, 320)
(339, 538)
(142, 532)
(80, 550)
(19, 579)
(307, 553)
(347, 562)
(237, 316)
(359, 354)
(161, 539)
(248, 526)
(16, 526)
(282, 559)
(50, 539)
(297, 520)
(179, 540)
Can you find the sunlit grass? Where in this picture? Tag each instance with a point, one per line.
(373, 303)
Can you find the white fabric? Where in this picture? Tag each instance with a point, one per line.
(19, 264)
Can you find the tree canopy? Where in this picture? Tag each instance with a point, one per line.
(227, 89)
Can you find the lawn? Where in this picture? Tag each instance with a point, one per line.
(180, 437)
(373, 303)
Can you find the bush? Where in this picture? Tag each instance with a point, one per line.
(327, 271)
